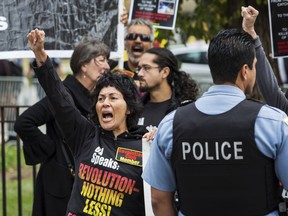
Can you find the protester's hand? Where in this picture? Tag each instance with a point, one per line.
(150, 135)
(36, 39)
(124, 17)
(249, 15)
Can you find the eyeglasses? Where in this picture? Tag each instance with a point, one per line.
(146, 68)
(143, 37)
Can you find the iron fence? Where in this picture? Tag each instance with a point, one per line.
(16, 95)
(5, 141)
(17, 91)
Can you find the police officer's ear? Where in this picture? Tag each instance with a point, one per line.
(166, 71)
(244, 71)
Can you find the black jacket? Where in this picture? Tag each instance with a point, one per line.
(54, 180)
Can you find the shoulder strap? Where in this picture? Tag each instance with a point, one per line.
(63, 144)
(67, 158)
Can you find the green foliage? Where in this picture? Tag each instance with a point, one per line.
(12, 183)
(12, 197)
(10, 156)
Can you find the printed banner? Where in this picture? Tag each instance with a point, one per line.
(162, 13)
(65, 22)
(278, 17)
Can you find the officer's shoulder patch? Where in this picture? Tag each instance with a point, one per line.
(285, 120)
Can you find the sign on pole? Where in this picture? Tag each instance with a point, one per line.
(161, 13)
(278, 17)
(65, 22)
(146, 149)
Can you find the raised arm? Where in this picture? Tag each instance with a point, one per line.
(36, 42)
(67, 116)
(265, 77)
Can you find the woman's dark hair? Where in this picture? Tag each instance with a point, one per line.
(86, 50)
(126, 85)
(183, 86)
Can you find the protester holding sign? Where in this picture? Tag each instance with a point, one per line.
(107, 150)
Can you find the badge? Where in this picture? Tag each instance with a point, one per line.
(129, 156)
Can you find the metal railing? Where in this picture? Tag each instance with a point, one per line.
(18, 91)
(5, 140)
(16, 95)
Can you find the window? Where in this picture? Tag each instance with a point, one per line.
(193, 57)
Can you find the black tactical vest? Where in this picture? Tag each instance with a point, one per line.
(218, 167)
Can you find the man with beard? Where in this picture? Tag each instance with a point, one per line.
(164, 85)
(138, 38)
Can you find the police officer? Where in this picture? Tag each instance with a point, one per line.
(224, 154)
